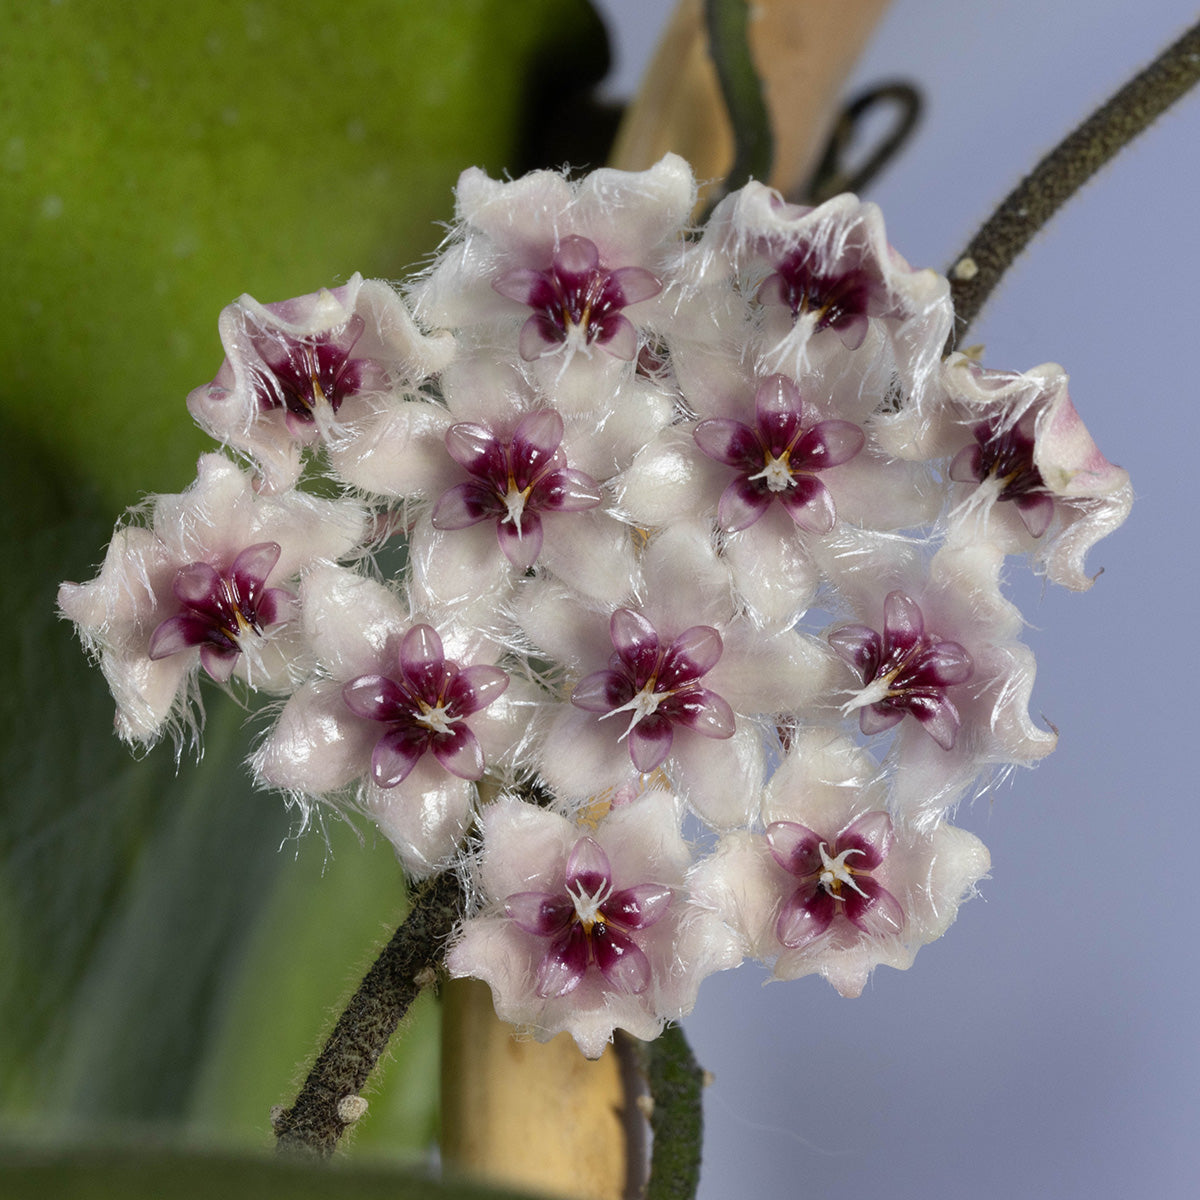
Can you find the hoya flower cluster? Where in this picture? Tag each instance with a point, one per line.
(692, 522)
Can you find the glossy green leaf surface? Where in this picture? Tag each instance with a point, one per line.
(159, 159)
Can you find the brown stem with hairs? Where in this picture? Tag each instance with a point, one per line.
(313, 1125)
(979, 268)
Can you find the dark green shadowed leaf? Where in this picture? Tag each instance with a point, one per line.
(315, 939)
(154, 1173)
(125, 887)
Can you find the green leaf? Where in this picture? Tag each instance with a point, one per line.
(155, 1173)
(158, 159)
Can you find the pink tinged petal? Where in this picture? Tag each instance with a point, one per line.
(779, 411)
(871, 834)
(729, 442)
(966, 466)
(300, 427)
(601, 692)
(903, 621)
(464, 505)
(520, 284)
(250, 570)
(474, 688)
(795, 847)
(859, 646)
(809, 504)
(852, 330)
(829, 444)
(423, 661)
(377, 698)
(622, 963)
(946, 663)
(635, 641)
(521, 545)
(878, 913)
(588, 867)
(563, 965)
(475, 449)
(534, 442)
(1036, 511)
(637, 907)
(692, 654)
(650, 742)
(396, 753)
(199, 584)
(566, 490)
(938, 716)
(177, 634)
(701, 711)
(218, 661)
(534, 341)
(619, 337)
(540, 913)
(275, 606)
(875, 718)
(576, 256)
(805, 915)
(741, 505)
(774, 290)
(459, 752)
(635, 284)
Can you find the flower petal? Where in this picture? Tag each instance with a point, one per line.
(650, 742)
(464, 505)
(809, 504)
(805, 915)
(377, 698)
(692, 654)
(588, 868)
(871, 834)
(729, 442)
(602, 691)
(795, 847)
(541, 913)
(474, 688)
(459, 752)
(396, 753)
(637, 907)
(621, 960)
(423, 662)
(563, 965)
(878, 913)
(742, 504)
(250, 570)
(521, 543)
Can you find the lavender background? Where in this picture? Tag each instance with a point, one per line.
(1048, 1044)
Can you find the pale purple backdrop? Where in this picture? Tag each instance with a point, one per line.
(1048, 1045)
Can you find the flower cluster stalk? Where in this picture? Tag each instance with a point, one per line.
(975, 273)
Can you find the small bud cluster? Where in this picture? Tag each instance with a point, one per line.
(693, 522)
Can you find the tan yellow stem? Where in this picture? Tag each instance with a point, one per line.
(804, 49)
(536, 1116)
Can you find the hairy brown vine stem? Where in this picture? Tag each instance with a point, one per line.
(978, 269)
(313, 1125)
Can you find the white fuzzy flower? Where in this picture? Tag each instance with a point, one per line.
(206, 582)
(589, 929)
